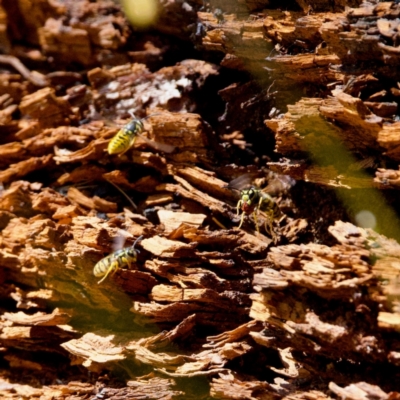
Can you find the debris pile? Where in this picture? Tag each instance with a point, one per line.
(221, 298)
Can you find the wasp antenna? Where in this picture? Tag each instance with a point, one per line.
(150, 115)
(132, 114)
(139, 238)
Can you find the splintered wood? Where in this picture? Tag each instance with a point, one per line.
(297, 304)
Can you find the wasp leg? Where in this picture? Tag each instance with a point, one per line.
(241, 220)
(239, 204)
(269, 223)
(255, 212)
(112, 268)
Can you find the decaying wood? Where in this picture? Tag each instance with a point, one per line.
(308, 309)
(35, 78)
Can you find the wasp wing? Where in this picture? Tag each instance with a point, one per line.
(242, 182)
(120, 239)
(166, 148)
(279, 184)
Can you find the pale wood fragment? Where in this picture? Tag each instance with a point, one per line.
(97, 203)
(148, 386)
(10, 390)
(167, 293)
(389, 320)
(95, 350)
(205, 180)
(57, 317)
(358, 391)
(66, 213)
(173, 219)
(33, 299)
(163, 247)
(158, 199)
(228, 386)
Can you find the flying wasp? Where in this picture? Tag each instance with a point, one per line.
(253, 199)
(127, 135)
(116, 260)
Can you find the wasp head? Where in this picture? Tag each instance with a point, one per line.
(134, 126)
(249, 199)
(131, 252)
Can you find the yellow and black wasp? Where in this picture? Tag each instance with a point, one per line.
(116, 260)
(127, 135)
(253, 199)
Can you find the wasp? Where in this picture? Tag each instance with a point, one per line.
(116, 260)
(253, 199)
(127, 135)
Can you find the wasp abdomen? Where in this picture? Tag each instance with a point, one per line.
(125, 137)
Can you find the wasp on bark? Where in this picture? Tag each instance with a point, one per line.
(253, 199)
(116, 260)
(127, 135)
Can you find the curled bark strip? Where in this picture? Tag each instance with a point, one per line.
(35, 78)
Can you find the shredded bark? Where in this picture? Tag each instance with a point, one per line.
(301, 302)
